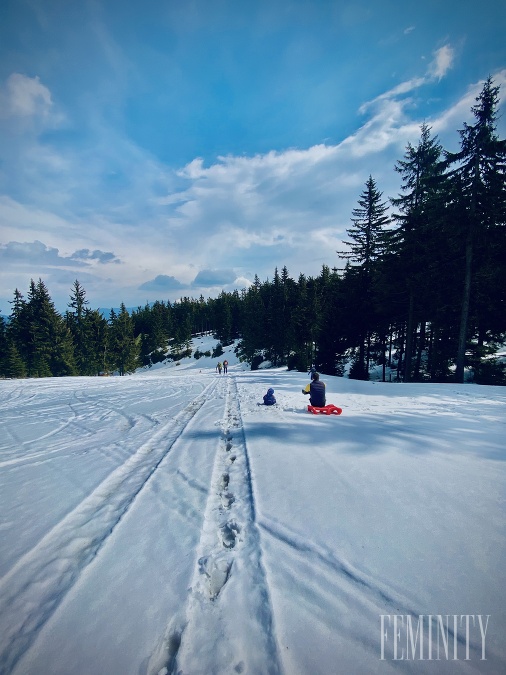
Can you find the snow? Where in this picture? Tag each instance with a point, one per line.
(164, 522)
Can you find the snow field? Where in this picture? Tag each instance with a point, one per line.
(166, 523)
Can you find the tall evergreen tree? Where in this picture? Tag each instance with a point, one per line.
(12, 363)
(50, 346)
(366, 246)
(253, 340)
(96, 332)
(76, 322)
(3, 345)
(18, 329)
(417, 240)
(123, 351)
(480, 177)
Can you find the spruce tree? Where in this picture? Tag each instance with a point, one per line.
(51, 346)
(3, 346)
(480, 183)
(18, 328)
(253, 340)
(96, 337)
(124, 350)
(12, 364)
(417, 240)
(76, 323)
(366, 246)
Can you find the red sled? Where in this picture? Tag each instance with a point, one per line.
(325, 410)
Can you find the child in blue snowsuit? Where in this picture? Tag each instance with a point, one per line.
(269, 397)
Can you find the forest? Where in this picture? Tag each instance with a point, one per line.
(422, 293)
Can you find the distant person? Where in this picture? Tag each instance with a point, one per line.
(225, 367)
(312, 371)
(316, 391)
(269, 398)
(219, 367)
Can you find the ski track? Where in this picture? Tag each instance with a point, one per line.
(343, 578)
(32, 590)
(83, 408)
(208, 633)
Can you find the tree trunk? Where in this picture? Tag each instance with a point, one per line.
(464, 315)
(409, 338)
(400, 364)
(421, 347)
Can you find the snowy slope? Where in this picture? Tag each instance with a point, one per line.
(165, 522)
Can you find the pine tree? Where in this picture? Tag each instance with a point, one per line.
(124, 350)
(368, 234)
(96, 336)
(3, 346)
(367, 245)
(51, 350)
(13, 365)
(417, 241)
(331, 322)
(223, 324)
(253, 340)
(18, 328)
(76, 323)
(480, 180)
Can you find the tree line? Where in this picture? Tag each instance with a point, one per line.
(422, 293)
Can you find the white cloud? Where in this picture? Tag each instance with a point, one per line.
(208, 277)
(26, 96)
(240, 214)
(162, 283)
(437, 69)
(30, 253)
(443, 61)
(33, 222)
(102, 257)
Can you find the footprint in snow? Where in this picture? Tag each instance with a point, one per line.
(217, 572)
(228, 534)
(227, 499)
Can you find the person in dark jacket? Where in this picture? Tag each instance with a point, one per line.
(316, 391)
(269, 398)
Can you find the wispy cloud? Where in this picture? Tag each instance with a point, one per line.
(442, 62)
(25, 96)
(212, 225)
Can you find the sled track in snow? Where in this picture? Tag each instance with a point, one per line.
(32, 590)
(227, 622)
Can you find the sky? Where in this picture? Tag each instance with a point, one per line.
(177, 148)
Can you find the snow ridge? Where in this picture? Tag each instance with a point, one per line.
(228, 573)
(36, 585)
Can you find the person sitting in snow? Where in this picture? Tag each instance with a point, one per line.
(316, 391)
(269, 398)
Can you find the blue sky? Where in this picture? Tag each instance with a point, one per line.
(179, 147)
